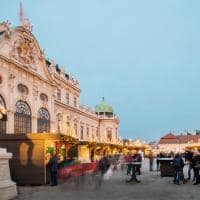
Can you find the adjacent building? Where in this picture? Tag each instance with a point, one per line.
(177, 143)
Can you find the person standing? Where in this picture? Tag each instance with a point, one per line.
(188, 158)
(178, 164)
(157, 162)
(129, 160)
(53, 167)
(138, 167)
(133, 174)
(197, 168)
(151, 161)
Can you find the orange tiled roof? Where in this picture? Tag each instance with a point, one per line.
(177, 139)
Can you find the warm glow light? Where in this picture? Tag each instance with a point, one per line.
(53, 131)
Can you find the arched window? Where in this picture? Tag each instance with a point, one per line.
(22, 118)
(43, 122)
(4, 118)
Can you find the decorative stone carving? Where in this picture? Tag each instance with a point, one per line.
(44, 99)
(26, 24)
(8, 188)
(52, 67)
(24, 51)
(23, 91)
(63, 71)
(5, 28)
(11, 78)
(35, 91)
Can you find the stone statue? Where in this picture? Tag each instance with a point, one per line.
(26, 24)
(5, 28)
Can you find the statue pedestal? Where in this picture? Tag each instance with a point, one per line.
(8, 188)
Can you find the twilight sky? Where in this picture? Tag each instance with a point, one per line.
(142, 56)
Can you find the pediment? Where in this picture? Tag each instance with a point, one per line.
(22, 47)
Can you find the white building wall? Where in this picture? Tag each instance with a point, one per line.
(15, 69)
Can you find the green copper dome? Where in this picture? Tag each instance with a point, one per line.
(103, 107)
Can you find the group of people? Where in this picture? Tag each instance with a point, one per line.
(108, 164)
(193, 159)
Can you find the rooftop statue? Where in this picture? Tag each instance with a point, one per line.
(5, 28)
(26, 24)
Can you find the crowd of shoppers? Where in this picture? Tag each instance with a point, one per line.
(107, 165)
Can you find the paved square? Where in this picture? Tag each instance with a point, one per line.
(152, 187)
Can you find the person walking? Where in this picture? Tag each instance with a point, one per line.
(53, 167)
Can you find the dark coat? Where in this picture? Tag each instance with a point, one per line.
(53, 164)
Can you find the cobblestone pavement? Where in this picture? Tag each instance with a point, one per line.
(152, 187)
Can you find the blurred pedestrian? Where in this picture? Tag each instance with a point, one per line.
(53, 167)
(178, 164)
(158, 162)
(197, 167)
(151, 161)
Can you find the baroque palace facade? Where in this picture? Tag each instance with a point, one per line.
(39, 97)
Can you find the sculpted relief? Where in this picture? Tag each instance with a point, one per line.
(5, 28)
(24, 51)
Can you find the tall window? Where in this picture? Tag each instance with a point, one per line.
(43, 122)
(67, 98)
(81, 132)
(75, 102)
(58, 94)
(88, 131)
(109, 135)
(59, 118)
(97, 133)
(92, 133)
(22, 118)
(4, 118)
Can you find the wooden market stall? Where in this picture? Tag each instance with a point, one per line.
(31, 154)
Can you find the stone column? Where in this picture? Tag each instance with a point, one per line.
(34, 124)
(8, 188)
(10, 122)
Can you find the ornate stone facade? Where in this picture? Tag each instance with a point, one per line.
(39, 93)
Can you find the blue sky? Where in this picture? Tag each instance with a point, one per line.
(142, 56)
